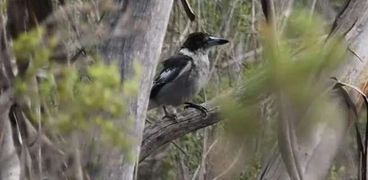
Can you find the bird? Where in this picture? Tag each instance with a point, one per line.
(184, 74)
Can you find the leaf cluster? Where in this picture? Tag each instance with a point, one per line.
(73, 99)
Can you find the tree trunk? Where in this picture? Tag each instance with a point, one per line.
(137, 36)
(11, 170)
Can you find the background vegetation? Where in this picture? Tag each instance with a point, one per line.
(271, 78)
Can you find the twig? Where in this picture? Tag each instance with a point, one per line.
(188, 10)
(204, 157)
(355, 54)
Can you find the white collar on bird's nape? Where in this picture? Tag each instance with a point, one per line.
(199, 52)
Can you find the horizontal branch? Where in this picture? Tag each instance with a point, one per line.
(162, 132)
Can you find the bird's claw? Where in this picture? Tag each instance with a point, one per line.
(200, 108)
(170, 116)
(173, 117)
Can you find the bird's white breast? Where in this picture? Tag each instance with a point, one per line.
(201, 67)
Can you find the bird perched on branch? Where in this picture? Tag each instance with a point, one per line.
(184, 74)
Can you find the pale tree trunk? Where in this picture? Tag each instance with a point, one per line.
(315, 149)
(137, 36)
(10, 163)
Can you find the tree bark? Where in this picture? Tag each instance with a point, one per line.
(11, 169)
(137, 36)
(166, 131)
(25, 14)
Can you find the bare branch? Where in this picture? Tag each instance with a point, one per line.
(163, 132)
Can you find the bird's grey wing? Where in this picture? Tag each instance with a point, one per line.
(173, 68)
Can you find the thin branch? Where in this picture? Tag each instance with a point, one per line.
(204, 158)
(188, 9)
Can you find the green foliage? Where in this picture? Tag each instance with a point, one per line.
(336, 172)
(190, 152)
(97, 101)
(243, 120)
(73, 99)
(295, 66)
(30, 46)
(191, 144)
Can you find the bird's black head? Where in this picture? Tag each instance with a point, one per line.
(201, 40)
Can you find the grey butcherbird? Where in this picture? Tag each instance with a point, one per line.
(184, 74)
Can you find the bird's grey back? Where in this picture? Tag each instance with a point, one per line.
(191, 80)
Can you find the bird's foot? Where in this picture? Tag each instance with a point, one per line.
(200, 108)
(172, 117)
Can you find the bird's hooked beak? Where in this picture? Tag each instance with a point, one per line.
(215, 41)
